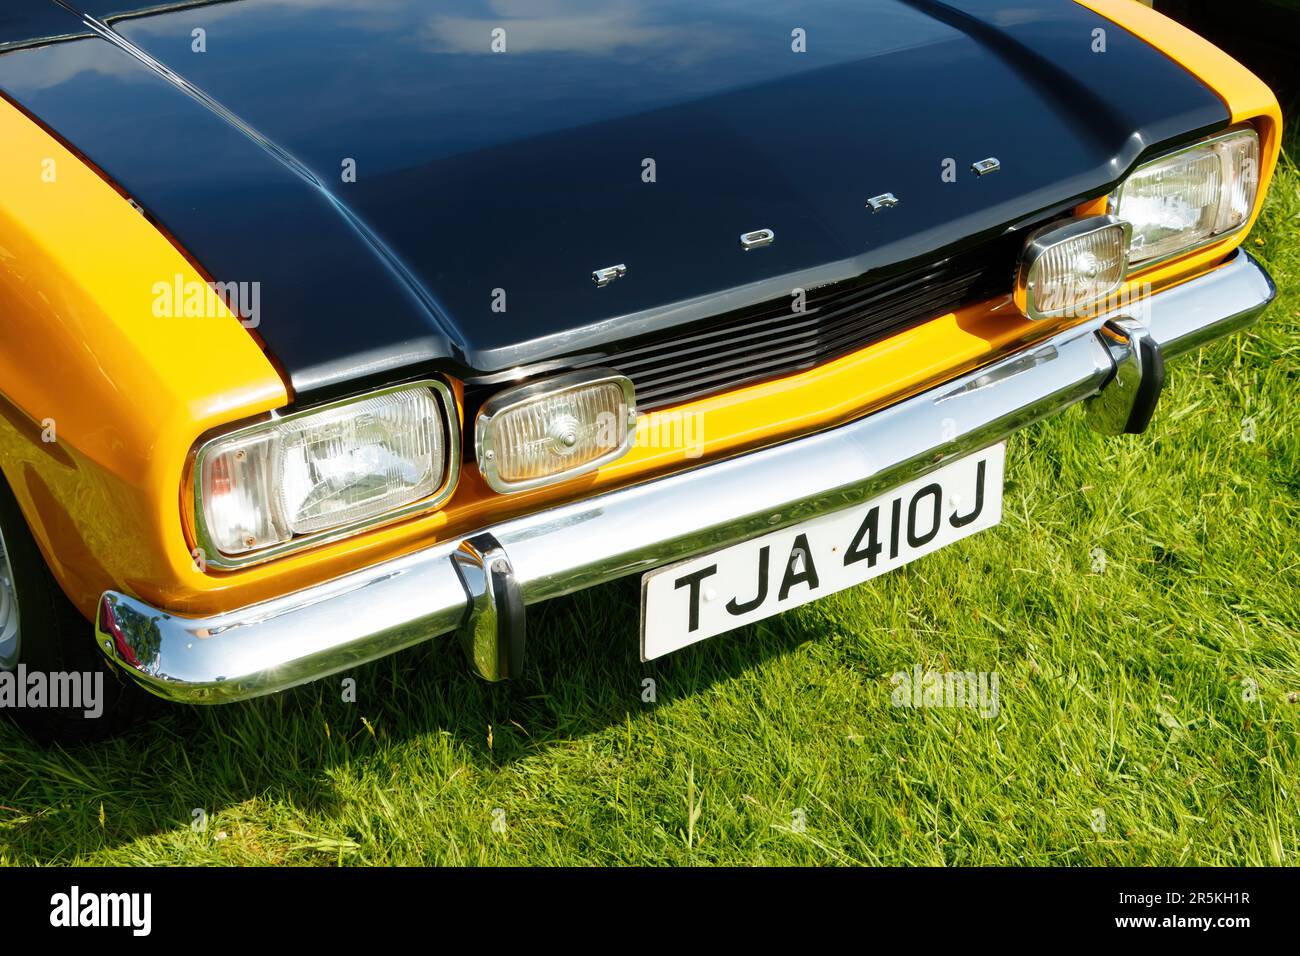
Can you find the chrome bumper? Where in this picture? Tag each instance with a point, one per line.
(479, 585)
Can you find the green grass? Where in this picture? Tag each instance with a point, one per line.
(1121, 691)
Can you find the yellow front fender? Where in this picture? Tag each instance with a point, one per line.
(101, 398)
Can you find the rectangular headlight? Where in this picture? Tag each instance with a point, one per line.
(1067, 267)
(319, 474)
(554, 429)
(1190, 197)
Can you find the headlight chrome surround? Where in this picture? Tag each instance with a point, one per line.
(213, 556)
(1045, 245)
(1218, 147)
(512, 400)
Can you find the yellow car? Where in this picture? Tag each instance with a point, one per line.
(329, 329)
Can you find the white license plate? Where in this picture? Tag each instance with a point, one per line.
(706, 596)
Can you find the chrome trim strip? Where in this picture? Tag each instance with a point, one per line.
(381, 609)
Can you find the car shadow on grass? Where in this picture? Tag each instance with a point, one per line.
(583, 674)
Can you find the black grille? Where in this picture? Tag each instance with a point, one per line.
(769, 340)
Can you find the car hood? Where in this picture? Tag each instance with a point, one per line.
(414, 185)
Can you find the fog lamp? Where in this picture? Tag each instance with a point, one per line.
(554, 429)
(1067, 267)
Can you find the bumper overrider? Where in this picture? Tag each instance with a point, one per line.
(479, 586)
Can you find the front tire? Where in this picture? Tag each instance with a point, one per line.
(42, 633)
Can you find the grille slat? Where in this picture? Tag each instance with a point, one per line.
(768, 340)
(796, 341)
(813, 316)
